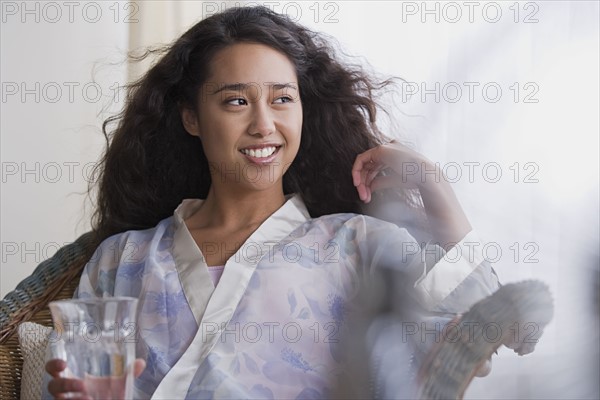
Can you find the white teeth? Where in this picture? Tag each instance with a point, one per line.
(259, 153)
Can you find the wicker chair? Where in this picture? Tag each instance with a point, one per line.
(54, 279)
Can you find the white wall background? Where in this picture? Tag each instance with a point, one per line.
(542, 213)
(50, 122)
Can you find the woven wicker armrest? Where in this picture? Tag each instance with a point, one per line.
(53, 279)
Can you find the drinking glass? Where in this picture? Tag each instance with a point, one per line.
(96, 338)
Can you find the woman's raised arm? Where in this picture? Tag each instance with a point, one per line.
(411, 170)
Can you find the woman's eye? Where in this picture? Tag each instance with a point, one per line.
(237, 102)
(284, 99)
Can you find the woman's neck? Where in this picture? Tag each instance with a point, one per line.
(235, 210)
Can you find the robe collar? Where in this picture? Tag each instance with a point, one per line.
(191, 264)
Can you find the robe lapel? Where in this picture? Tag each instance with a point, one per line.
(190, 263)
(214, 307)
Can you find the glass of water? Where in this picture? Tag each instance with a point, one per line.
(96, 338)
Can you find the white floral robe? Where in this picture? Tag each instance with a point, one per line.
(270, 328)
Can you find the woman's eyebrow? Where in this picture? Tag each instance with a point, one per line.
(244, 86)
(279, 86)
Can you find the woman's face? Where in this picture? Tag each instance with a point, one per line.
(249, 116)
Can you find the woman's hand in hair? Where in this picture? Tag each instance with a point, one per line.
(394, 165)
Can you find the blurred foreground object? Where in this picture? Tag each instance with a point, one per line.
(385, 360)
(517, 311)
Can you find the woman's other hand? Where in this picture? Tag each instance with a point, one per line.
(403, 165)
(407, 169)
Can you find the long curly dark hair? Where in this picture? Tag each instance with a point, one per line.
(151, 163)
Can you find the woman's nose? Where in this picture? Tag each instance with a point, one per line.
(262, 123)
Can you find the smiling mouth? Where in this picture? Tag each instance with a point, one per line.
(263, 152)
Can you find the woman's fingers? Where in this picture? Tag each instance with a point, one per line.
(59, 386)
(370, 172)
(357, 169)
(73, 396)
(365, 169)
(138, 366)
(55, 367)
(399, 159)
(373, 172)
(363, 163)
(70, 388)
(64, 388)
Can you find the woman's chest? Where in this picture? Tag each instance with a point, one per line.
(218, 247)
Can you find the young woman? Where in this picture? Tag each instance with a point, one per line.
(230, 204)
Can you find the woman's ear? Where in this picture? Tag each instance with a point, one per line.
(190, 121)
